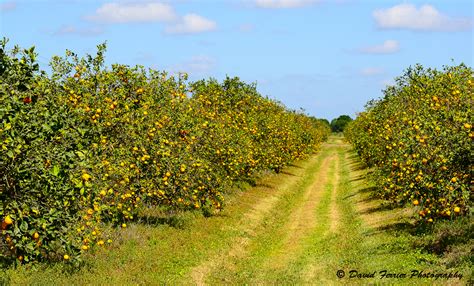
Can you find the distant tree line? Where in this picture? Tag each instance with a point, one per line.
(340, 123)
(337, 124)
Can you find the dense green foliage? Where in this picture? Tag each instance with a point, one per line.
(340, 123)
(419, 140)
(89, 145)
(323, 121)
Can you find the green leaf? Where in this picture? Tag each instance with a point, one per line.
(46, 127)
(18, 149)
(81, 155)
(55, 170)
(24, 226)
(78, 184)
(7, 126)
(82, 131)
(16, 231)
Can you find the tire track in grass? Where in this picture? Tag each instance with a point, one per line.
(276, 263)
(322, 245)
(327, 243)
(334, 212)
(301, 221)
(248, 224)
(247, 265)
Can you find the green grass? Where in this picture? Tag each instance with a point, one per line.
(268, 239)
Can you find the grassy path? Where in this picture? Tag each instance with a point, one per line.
(297, 227)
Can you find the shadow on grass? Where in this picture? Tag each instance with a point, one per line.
(175, 219)
(69, 268)
(398, 226)
(367, 190)
(264, 185)
(357, 166)
(171, 220)
(287, 173)
(353, 157)
(395, 227)
(380, 208)
(294, 166)
(360, 178)
(5, 262)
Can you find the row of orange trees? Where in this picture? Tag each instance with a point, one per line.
(419, 140)
(88, 145)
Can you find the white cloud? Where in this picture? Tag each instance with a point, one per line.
(145, 12)
(191, 24)
(72, 30)
(388, 47)
(8, 6)
(427, 18)
(129, 13)
(371, 71)
(281, 4)
(196, 65)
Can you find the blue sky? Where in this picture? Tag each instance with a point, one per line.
(328, 57)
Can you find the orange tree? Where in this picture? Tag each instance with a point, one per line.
(246, 133)
(89, 145)
(418, 138)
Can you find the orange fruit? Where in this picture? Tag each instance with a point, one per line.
(86, 177)
(8, 220)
